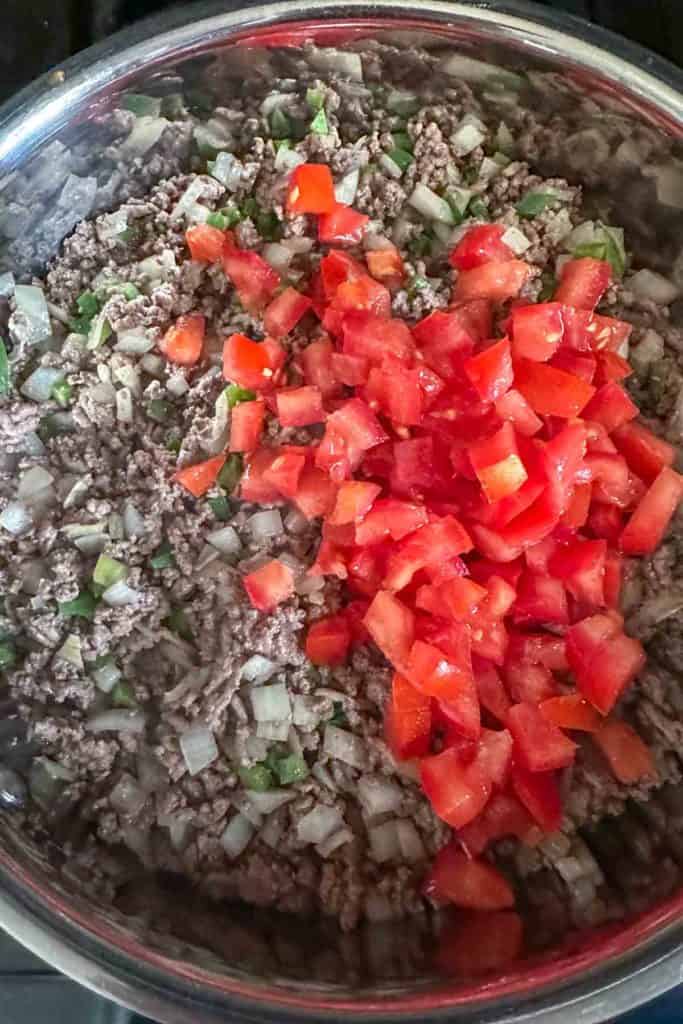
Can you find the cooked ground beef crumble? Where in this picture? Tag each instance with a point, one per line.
(133, 419)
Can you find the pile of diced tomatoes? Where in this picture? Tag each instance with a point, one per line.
(477, 494)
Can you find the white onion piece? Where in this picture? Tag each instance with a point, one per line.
(390, 166)
(74, 530)
(272, 832)
(158, 268)
(31, 302)
(127, 797)
(333, 842)
(92, 543)
(471, 70)
(345, 189)
(38, 385)
(287, 159)
(226, 540)
(242, 803)
(384, 844)
(410, 842)
(106, 676)
(70, 651)
(318, 824)
(120, 594)
(516, 240)
(264, 525)
(345, 62)
(129, 377)
(228, 170)
(76, 492)
(647, 284)
(35, 485)
(124, 406)
(344, 746)
(378, 795)
(152, 775)
(102, 394)
(33, 573)
(276, 732)
(133, 341)
(466, 139)
(133, 522)
(145, 133)
(279, 256)
(237, 836)
(115, 526)
(266, 803)
(303, 714)
(309, 585)
(6, 285)
(430, 205)
(16, 518)
(649, 350)
(488, 168)
(198, 747)
(187, 205)
(271, 703)
(32, 445)
(117, 721)
(258, 669)
(100, 330)
(298, 244)
(669, 183)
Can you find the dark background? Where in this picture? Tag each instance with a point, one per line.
(36, 35)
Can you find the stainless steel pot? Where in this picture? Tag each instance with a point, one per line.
(225, 965)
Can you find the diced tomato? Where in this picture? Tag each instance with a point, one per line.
(330, 561)
(316, 360)
(585, 638)
(481, 244)
(539, 745)
(611, 480)
(205, 243)
(409, 720)
(608, 334)
(298, 407)
(315, 493)
(468, 883)
(458, 598)
(446, 340)
(492, 695)
(645, 529)
(581, 567)
(495, 281)
(328, 641)
(483, 569)
(626, 753)
(576, 514)
(539, 649)
(391, 625)
(396, 389)
(579, 325)
(612, 367)
(479, 943)
(491, 370)
(497, 464)
(606, 521)
(583, 283)
(246, 425)
(251, 364)
(551, 392)
(270, 585)
(541, 600)
(448, 679)
(493, 546)
(540, 794)
(571, 711)
(311, 189)
(613, 579)
(254, 279)
(562, 459)
(514, 407)
(413, 466)
(579, 364)
(432, 544)
(537, 331)
(529, 683)
(646, 454)
(350, 370)
(355, 612)
(350, 431)
(390, 517)
(611, 406)
(337, 268)
(183, 342)
(354, 499)
(386, 265)
(503, 816)
(342, 226)
(254, 486)
(198, 479)
(604, 660)
(357, 295)
(495, 755)
(375, 337)
(284, 312)
(457, 792)
(284, 472)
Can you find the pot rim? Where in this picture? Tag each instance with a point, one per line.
(646, 959)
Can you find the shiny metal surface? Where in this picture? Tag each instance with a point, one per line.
(221, 966)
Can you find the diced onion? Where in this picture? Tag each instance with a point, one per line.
(344, 62)
(120, 594)
(333, 842)
(279, 256)
(38, 386)
(129, 377)
(345, 189)
(271, 703)
(287, 159)
(33, 573)
(152, 775)
(272, 832)
(102, 394)
(471, 70)
(309, 585)
(266, 803)
(127, 797)
(226, 540)
(384, 844)
(16, 518)
(31, 302)
(124, 406)
(647, 284)
(106, 676)
(229, 171)
(303, 714)
(430, 205)
(198, 747)
(344, 746)
(258, 669)
(276, 732)
(488, 168)
(133, 522)
(410, 841)
(649, 350)
(74, 530)
(92, 543)
(158, 268)
(668, 180)
(35, 486)
(400, 101)
(264, 525)
(390, 166)
(466, 139)
(237, 836)
(70, 651)
(242, 803)
(188, 206)
(378, 795)
(318, 824)
(516, 240)
(133, 341)
(117, 721)
(145, 133)
(6, 285)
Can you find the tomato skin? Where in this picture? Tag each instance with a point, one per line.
(396, 389)
(314, 494)
(552, 392)
(200, 477)
(537, 331)
(254, 486)
(318, 368)
(490, 371)
(539, 745)
(284, 473)
(328, 641)
(645, 529)
(246, 425)
(284, 312)
(627, 755)
(409, 720)
(349, 370)
(390, 517)
(583, 283)
(571, 711)
(480, 245)
(468, 883)
(354, 499)
(183, 342)
(498, 281)
(268, 586)
(205, 243)
(478, 943)
(539, 649)
(581, 566)
(386, 265)
(299, 407)
(375, 337)
(612, 367)
(253, 278)
(514, 407)
(503, 816)
(456, 794)
(391, 624)
(432, 544)
(527, 683)
(413, 466)
(603, 659)
(611, 407)
(497, 464)
(540, 794)
(251, 364)
(311, 189)
(645, 453)
(342, 226)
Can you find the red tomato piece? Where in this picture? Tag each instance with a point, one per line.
(552, 392)
(468, 883)
(408, 721)
(413, 466)
(198, 479)
(608, 334)
(336, 269)
(613, 580)
(498, 281)
(350, 370)
(316, 360)
(583, 283)
(330, 561)
(495, 755)
(645, 529)
(503, 816)
(284, 473)
(342, 226)
(481, 244)
(528, 683)
(375, 337)
(611, 407)
(311, 189)
(460, 597)
(580, 565)
(254, 280)
(539, 745)
(539, 649)
(457, 792)
(246, 425)
(492, 545)
(562, 458)
(576, 514)
(492, 694)
(251, 364)
(537, 331)
(612, 367)
(496, 462)
(183, 342)
(626, 753)
(357, 295)
(354, 499)
(284, 312)
(386, 265)
(605, 660)
(390, 517)
(514, 407)
(571, 711)
(479, 943)
(448, 679)
(391, 624)
(315, 493)
(205, 243)
(541, 600)
(580, 364)
(396, 389)
(270, 585)
(446, 339)
(646, 454)
(540, 794)
(356, 422)
(254, 486)
(432, 544)
(298, 407)
(586, 637)
(490, 371)
(328, 641)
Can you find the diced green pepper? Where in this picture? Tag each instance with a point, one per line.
(159, 410)
(173, 444)
(217, 220)
(258, 777)
(232, 215)
(237, 394)
(421, 245)
(108, 571)
(401, 157)
(163, 557)
(549, 285)
(416, 285)
(592, 250)
(82, 607)
(178, 623)
(280, 124)
(478, 208)
(534, 203)
(319, 125)
(88, 305)
(8, 655)
(129, 291)
(4, 369)
(220, 507)
(403, 141)
(61, 392)
(123, 695)
(231, 473)
(315, 99)
(291, 769)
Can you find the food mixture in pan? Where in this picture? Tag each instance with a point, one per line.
(336, 495)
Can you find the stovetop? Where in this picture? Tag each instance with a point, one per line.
(37, 36)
